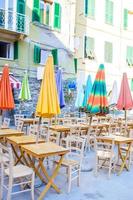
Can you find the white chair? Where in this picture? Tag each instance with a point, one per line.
(18, 175)
(67, 121)
(20, 125)
(54, 137)
(73, 160)
(6, 122)
(105, 156)
(44, 133)
(33, 129)
(17, 117)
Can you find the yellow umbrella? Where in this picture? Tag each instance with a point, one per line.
(48, 103)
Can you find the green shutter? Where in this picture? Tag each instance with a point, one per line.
(36, 11)
(88, 46)
(57, 16)
(129, 57)
(108, 52)
(55, 56)
(125, 22)
(76, 65)
(109, 10)
(90, 8)
(15, 50)
(37, 54)
(21, 15)
(86, 7)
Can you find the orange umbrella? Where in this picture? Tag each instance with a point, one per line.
(6, 96)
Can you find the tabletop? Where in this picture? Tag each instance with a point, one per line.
(10, 132)
(117, 139)
(67, 127)
(29, 120)
(25, 139)
(42, 150)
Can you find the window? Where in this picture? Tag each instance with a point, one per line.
(125, 20)
(108, 52)
(109, 6)
(129, 57)
(6, 50)
(57, 16)
(90, 8)
(44, 13)
(89, 48)
(37, 54)
(36, 11)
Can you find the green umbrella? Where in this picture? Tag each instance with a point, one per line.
(25, 91)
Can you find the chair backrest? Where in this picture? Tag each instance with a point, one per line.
(44, 133)
(54, 136)
(76, 147)
(20, 124)
(6, 122)
(17, 117)
(67, 121)
(6, 158)
(75, 131)
(33, 129)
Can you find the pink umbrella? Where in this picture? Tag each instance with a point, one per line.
(125, 101)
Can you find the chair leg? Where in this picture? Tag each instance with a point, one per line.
(2, 181)
(69, 179)
(96, 167)
(110, 168)
(78, 178)
(10, 188)
(32, 186)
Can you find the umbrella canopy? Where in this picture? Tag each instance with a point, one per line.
(87, 91)
(25, 90)
(97, 102)
(6, 96)
(80, 97)
(48, 103)
(125, 101)
(114, 94)
(59, 85)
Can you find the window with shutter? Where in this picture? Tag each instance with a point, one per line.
(55, 56)
(57, 16)
(21, 15)
(125, 20)
(15, 50)
(129, 57)
(89, 47)
(90, 8)
(36, 11)
(37, 54)
(109, 9)
(75, 65)
(108, 52)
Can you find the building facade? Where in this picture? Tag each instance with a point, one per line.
(104, 34)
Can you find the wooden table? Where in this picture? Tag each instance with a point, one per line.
(28, 121)
(40, 152)
(9, 132)
(16, 143)
(119, 140)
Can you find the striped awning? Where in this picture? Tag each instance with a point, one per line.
(15, 83)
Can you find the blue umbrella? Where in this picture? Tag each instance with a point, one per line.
(59, 85)
(87, 91)
(80, 97)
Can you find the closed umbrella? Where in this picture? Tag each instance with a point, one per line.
(48, 103)
(97, 102)
(25, 90)
(59, 84)
(125, 101)
(114, 94)
(80, 97)
(87, 91)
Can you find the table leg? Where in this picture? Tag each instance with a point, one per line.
(50, 183)
(124, 158)
(17, 156)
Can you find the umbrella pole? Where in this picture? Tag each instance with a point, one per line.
(126, 118)
(37, 137)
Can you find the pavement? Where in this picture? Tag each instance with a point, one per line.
(91, 187)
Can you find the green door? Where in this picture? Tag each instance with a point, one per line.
(21, 15)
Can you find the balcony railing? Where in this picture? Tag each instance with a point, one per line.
(15, 22)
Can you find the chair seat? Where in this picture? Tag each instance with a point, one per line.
(67, 162)
(126, 148)
(20, 171)
(104, 154)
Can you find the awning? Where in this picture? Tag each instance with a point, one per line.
(15, 83)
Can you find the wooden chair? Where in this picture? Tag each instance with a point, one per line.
(18, 175)
(17, 117)
(73, 160)
(105, 156)
(20, 125)
(6, 123)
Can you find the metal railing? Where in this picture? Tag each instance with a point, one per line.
(13, 21)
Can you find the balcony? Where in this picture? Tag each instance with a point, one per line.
(13, 25)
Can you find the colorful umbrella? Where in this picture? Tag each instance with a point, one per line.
(25, 90)
(125, 101)
(6, 96)
(59, 85)
(48, 103)
(97, 102)
(87, 91)
(114, 94)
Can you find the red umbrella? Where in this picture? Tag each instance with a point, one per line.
(6, 96)
(125, 101)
